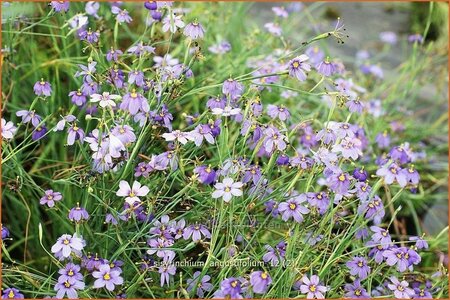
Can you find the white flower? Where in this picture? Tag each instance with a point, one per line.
(227, 111)
(105, 99)
(132, 194)
(227, 189)
(8, 130)
(178, 135)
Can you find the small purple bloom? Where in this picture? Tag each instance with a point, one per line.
(196, 231)
(70, 273)
(260, 281)
(28, 116)
(326, 68)
(75, 133)
(278, 111)
(298, 66)
(293, 208)
(39, 132)
(194, 30)
(232, 88)
(60, 6)
(12, 293)
(400, 289)
(358, 267)
(107, 278)
(355, 290)
(202, 284)
(206, 174)
(313, 288)
(420, 242)
(50, 197)
(78, 214)
(69, 289)
(122, 15)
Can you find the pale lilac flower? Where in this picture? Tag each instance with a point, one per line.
(68, 288)
(86, 71)
(413, 38)
(134, 102)
(227, 111)
(8, 130)
(355, 290)
(166, 60)
(260, 281)
(113, 54)
(75, 133)
(122, 15)
(196, 231)
(92, 8)
(388, 37)
(220, 48)
(298, 66)
(349, 148)
(167, 268)
(140, 48)
(232, 88)
(293, 208)
(273, 28)
(326, 68)
(194, 30)
(177, 135)
(136, 77)
(355, 106)
(70, 273)
(78, 214)
(50, 197)
(107, 277)
(313, 288)
(278, 111)
(202, 131)
(383, 140)
(66, 245)
(420, 242)
(105, 99)
(172, 23)
(28, 116)
(202, 284)
(392, 172)
(400, 289)
(358, 267)
(42, 88)
(227, 189)
(280, 11)
(133, 193)
(315, 54)
(60, 6)
(274, 140)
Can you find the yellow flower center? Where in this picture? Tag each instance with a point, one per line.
(67, 284)
(227, 189)
(341, 177)
(234, 283)
(292, 206)
(358, 292)
(132, 194)
(312, 288)
(70, 273)
(11, 294)
(107, 276)
(66, 242)
(295, 64)
(264, 275)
